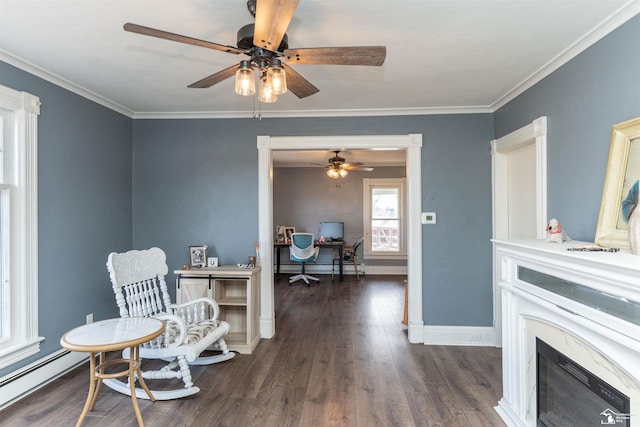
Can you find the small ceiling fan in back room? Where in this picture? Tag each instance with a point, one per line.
(267, 46)
(337, 168)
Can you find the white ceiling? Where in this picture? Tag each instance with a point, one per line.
(442, 55)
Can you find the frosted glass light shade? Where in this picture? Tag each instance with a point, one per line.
(336, 173)
(266, 94)
(276, 78)
(245, 82)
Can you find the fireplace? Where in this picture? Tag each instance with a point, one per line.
(570, 395)
(568, 319)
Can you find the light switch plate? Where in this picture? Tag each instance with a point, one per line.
(428, 217)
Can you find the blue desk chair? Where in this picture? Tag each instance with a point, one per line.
(303, 251)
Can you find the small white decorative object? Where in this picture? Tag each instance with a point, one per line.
(555, 233)
(212, 261)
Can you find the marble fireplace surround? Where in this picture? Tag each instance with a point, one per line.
(602, 343)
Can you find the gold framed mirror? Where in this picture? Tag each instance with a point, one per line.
(623, 172)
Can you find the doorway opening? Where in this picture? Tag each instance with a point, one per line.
(519, 195)
(412, 144)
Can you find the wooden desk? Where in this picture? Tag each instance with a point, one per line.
(331, 245)
(113, 335)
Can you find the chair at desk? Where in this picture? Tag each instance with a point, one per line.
(350, 255)
(303, 251)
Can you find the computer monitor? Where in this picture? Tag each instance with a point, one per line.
(332, 231)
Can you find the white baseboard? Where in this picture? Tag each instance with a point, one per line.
(460, 335)
(318, 268)
(30, 378)
(389, 270)
(506, 413)
(346, 269)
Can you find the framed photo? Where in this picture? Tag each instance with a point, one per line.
(198, 256)
(620, 192)
(288, 231)
(280, 234)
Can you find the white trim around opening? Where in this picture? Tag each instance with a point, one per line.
(412, 144)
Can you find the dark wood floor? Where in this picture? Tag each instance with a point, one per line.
(340, 357)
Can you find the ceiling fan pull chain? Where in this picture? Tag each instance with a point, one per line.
(257, 114)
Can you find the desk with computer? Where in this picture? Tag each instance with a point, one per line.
(330, 236)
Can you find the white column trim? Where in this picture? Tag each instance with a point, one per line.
(533, 133)
(414, 242)
(265, 234)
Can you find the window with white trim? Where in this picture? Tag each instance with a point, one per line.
(18, 226)
(384, 220)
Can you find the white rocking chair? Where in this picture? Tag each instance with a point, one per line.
(138, 279)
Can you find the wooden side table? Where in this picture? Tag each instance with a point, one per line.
(113, 335)
(237, 292)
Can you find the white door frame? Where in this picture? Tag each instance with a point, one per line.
(533, 133)
(412, 144)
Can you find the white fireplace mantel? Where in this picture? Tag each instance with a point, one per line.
(605, 343)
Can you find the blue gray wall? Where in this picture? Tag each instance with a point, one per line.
(583, 100)
(185, 182)
(304, 197)
(84, 205)
(195, 182)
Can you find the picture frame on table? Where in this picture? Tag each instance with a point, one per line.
(288, 231)
(280, 234)
(620, 190)
(198, 256)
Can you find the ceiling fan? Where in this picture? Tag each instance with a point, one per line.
(337, 168)
(265, 43)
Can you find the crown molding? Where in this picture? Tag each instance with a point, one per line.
(613, 21)
(313, 113)
(63, 83)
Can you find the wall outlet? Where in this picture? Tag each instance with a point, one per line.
(89, 318)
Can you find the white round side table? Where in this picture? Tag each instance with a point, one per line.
(113, 335)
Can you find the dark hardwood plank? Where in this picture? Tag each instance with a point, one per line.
(340, 357)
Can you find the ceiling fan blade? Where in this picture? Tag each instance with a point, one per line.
(358, 168)
(297, 84)
(147, 31)
(363, 55)
(272, 20)
(215, 78)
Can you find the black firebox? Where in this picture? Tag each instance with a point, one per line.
(570, 395)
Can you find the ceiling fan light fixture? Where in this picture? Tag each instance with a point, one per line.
(245, 81)
(265, 41)
(343, 173)
(276, 77)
